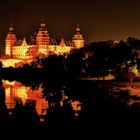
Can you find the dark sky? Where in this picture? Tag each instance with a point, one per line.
(98, 19)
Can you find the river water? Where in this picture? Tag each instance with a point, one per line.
(32, 105)
(55, 104)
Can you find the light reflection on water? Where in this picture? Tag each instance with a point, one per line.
(16, 92)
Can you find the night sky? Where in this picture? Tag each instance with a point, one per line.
(98, 19)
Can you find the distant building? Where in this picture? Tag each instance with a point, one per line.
(41, 43)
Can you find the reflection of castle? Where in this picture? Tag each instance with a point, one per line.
(16, 92)
(40, 43)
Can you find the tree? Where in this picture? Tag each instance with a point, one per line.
(54, 66)
(132, 73)
(76, 64)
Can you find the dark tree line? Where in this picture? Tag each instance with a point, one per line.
(94, 60)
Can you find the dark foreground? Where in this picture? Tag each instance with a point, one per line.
(98, 108)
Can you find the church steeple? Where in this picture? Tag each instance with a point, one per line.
(78, 39)
(10, 41)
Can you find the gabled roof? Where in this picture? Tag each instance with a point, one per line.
(24, 43)
(62, 42)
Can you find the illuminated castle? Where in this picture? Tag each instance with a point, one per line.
(41, 43)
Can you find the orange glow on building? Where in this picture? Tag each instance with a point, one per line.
(14, 62)
(78, 38)
(10, 41)
(41, 43)
(20, 52)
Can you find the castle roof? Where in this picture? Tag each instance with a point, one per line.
(24, 43)
(18, 43)
(62, 42)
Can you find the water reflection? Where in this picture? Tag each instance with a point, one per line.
(17, 94)
(55, 104)
(76, 105)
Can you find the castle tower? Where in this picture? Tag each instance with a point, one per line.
(9, 41)
(42, 38)
(78, 39)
